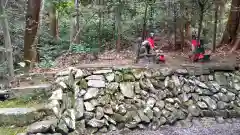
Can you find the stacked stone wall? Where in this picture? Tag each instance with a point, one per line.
(101, 100)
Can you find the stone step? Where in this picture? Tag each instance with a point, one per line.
(21, 116)
(29, 90)
(34, 87)
(23, 77)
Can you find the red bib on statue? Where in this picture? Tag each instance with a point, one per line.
(151, 42)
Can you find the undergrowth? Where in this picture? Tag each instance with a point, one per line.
(28, 100)
(12, 130)
(15, 103)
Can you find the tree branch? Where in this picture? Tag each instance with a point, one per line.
(5, 4)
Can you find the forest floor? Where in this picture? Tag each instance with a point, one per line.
(126, 57)
(123, 58)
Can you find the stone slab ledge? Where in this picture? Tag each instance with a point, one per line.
(21, 116)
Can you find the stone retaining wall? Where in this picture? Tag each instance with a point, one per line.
(101, 100)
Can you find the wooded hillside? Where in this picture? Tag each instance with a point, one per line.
(43, 32)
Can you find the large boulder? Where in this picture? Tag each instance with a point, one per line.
(110, 77)
(41, 127)
(210, 102)
(88, 106)
(96, 83)
(91, 93)
(194, 110)
(96, 123)
(221, 78)
(127, 89)
(79, 106)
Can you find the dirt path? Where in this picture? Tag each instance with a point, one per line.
(209, 127)
(114, 59)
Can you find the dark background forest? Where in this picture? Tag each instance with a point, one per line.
(58, 33)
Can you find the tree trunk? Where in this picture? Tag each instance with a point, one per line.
(236, 44)
(114, 27)
(53, 21)
(221, 17)
(32, 20)
(7, 40)
(215, 27)
(175, 26)
(119, 28)
(188, 30)
(182, 26)
(144, 22)
(100, 16)
(35, 56)
(100, 28)
(182, 36)
(77, 39)
(188, 33)
(237, 39)
(151, 19)
(73, 30)
(169, 12)
(200, 23)
(232, 23)
(57, 27)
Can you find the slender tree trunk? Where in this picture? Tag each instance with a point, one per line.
(57, 27)
(175, 26)
(134, 7)
(188, 26)
(188, 30)
(182, 26)
(166, 22)
(215, 27)
(100, 28)
(77, 22)
(100, 16)
(7, 40)
(114, 26)
(200, 23)
(182, 36)
(53, 21)
(169, 7)
(73, 30)
(113, 17)
(232, 24)
(236, 44)
(221, 17)
(144, 22)
(32, 20)
(119, 28)
(237, 39)
(151, 20)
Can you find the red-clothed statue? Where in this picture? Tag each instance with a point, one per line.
(149, 45)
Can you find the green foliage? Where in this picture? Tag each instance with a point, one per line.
(50, 51)
(27, 100)
(65, 6)
(80, 48)
(12, 130)
(93, 39)
(46, 63)
(85, 2)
